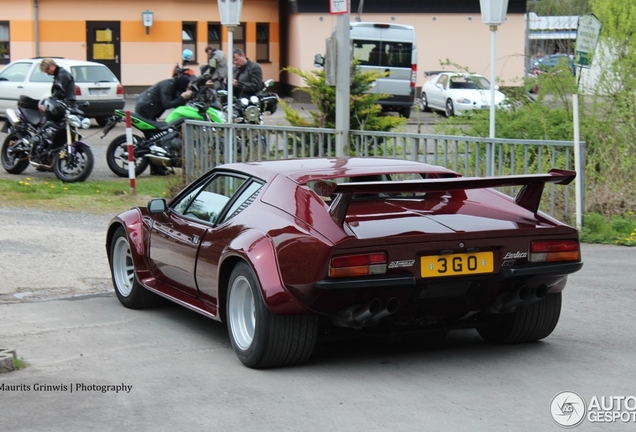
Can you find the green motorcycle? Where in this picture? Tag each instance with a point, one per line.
(161, 143)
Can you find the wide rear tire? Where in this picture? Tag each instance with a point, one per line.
(14, 162)
(533, 323)
(260, 338)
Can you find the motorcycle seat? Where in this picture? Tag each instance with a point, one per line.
(33, 116)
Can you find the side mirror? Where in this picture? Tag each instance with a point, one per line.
(319, 60)
(221, 92)
(268, 83)
(156, 206)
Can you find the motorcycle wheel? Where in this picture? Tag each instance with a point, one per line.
(13, 162)
(117, 156)
(74, 167)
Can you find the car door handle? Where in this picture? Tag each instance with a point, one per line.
(194, 239)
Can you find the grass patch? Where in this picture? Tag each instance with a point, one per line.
(99, 196)
(617, 229)
(19, 363)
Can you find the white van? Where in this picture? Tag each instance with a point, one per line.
(389, 48)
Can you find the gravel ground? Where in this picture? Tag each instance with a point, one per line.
(52, 254)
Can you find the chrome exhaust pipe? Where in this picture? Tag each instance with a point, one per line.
(354, 316)
(508, 301)
(390, 308)
(536, 294)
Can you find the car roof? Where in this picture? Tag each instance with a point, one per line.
(61, 61)
(311, 169)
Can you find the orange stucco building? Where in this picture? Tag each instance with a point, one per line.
(275, 33)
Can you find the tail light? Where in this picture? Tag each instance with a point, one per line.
(358, 265)
(413, 80)
(413, 75)
(78, 91)
(120, 90)
(554, 250)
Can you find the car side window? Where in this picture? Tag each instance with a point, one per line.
(207, 202)
(16, 72)
(39, 76)
(246, 197)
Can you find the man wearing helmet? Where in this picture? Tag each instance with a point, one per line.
(63, 83)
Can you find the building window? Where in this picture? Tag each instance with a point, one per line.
(189, 40)
(262, 42)
(4, 42)
(239, 38)
(214, 35)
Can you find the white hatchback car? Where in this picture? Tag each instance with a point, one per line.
(456, 92)
(94, 83)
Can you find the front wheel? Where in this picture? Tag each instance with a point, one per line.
(117, 156)
(14, 158)
(130, 293)
(259, 337)
(450, 108)
(531, 324)
(75, 166)
(424, 103)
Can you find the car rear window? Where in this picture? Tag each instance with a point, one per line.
(92, 73)
(384, 54)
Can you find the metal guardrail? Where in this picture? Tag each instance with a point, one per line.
(207, 145)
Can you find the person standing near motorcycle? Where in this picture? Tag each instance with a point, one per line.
(248, 75)
(216, 67)
(169, 93)
(151, 104)
(63, 87)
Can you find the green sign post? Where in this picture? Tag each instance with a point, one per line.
(587, 34)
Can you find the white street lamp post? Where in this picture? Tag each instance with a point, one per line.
(230, 11)
(493, 14)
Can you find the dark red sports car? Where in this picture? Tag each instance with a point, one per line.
(279, 249)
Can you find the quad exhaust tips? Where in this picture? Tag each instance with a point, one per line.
(519, 298)
(366, 315)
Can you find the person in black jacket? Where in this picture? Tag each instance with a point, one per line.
(169, 93)
(248, 75)
(65, 90)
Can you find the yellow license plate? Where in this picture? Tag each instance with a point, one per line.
(457, 264)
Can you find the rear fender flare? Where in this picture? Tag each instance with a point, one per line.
(257, 249)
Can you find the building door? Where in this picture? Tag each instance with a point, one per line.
(103, 44)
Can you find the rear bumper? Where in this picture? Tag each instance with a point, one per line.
(102, 108)
(388, 282)
(397, 101)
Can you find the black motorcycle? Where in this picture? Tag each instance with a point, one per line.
(48, 140)
(250, 110)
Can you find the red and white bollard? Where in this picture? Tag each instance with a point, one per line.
(131, 154)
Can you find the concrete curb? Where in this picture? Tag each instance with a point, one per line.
(8, 356)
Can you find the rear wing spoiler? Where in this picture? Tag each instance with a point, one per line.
(529, 197)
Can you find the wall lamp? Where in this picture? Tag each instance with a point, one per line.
(147, 17)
